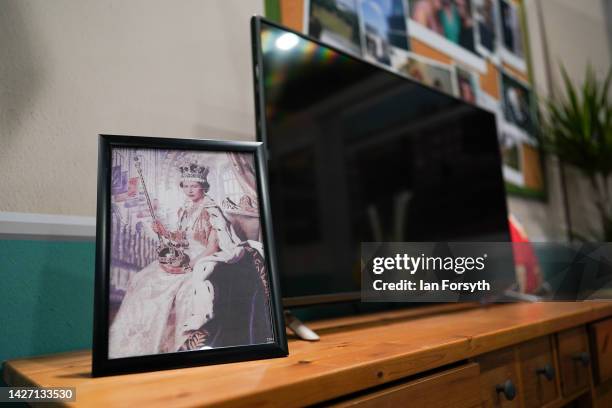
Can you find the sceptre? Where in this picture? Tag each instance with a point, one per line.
(168, 252)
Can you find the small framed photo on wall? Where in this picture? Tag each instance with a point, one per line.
(185, 267)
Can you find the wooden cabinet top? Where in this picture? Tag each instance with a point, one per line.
(354, 353)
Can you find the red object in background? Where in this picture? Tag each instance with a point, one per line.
(133, 187)
(528, 272)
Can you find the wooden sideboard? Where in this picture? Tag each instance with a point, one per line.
(514, 355)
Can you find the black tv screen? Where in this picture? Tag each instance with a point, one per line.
(357, 154)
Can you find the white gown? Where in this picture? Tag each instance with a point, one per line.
(160, 309)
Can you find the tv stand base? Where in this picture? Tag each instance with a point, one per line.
(299, 328)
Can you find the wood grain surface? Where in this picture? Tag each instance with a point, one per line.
(574, 374)
(495, 369)
(602, 347)
(346, 360)
(456, 387)
(535, 355)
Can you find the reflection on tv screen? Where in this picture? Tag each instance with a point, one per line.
(358, 154)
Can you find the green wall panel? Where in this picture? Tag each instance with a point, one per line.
(46, 297)
(272, 10)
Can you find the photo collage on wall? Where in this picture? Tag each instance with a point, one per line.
(472, 49)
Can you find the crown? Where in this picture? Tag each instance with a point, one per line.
(194, 172)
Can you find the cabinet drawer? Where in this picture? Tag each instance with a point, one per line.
(498, 378)
(538, 372)
(603, 395)
(456, 387)
(574, 359)
(601, 333)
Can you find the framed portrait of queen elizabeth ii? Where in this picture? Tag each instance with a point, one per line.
(185, 266)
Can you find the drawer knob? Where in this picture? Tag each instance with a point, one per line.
(508, 389)
(547, 371)
(583, 358)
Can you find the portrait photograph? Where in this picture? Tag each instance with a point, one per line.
(485, 27)
(187, 265)
(383, 27)
(511, 158)
(334, 22)
(467, 84)
(512, 34)
(429, 72)
(516, 103)
(451, 19)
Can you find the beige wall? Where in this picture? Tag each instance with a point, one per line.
(70, 69)
(576, 33)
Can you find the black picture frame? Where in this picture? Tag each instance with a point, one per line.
(102, 365)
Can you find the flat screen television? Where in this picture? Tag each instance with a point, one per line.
(357, 153)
